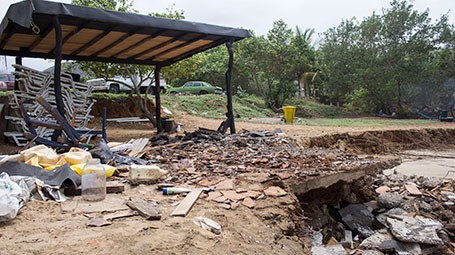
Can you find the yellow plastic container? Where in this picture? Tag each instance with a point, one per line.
(289, 114)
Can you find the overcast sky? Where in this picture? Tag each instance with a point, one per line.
(259, 15)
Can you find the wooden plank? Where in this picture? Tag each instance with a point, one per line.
(187, 203)
(138, 146)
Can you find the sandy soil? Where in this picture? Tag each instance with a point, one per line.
(269, 228)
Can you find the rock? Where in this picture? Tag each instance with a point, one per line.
(213, 195)
(412, 189)
(400, 248)
(97, 222)
(248, 202)
(376, 239)
(382, 218)
(146, 209)
(328, 250)
(284, 176)
(224, 206)
(382, 189)
(415, 229)
(431, 182)
(450, 196)
(241, 190)
(220, 199)
(390, 200)
(227, 184)
(232, 195)
(357, 217)
(367, 252)
(254, 194)
(316, 239)
(275, 191)
(235, 205)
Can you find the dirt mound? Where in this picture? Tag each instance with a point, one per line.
(120, 108)
(374, 142)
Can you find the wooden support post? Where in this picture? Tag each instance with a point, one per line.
(230, 113)
(18, 62)
(57, 72)
(159, 124)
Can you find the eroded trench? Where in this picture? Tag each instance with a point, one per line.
(361, 211)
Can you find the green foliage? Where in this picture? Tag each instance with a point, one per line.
(376, 64)
(172, 13)
(214, 106)
(309, 107)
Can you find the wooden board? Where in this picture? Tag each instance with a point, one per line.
(138, 146)
(187, 203)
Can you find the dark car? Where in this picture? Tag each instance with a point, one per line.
(8, 80)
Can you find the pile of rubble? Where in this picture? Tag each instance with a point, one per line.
(246, 152)
(408, 215)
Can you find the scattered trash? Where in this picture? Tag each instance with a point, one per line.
(145, 174)
(10, 198)
(207, 224)
(93, 181)
(172, 190)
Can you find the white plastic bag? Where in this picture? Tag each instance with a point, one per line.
(10, 194)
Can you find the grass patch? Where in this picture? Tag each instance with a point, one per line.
(353, 122)
(214, 106)
(6, 93)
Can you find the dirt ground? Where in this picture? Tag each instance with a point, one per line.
(269, 228)
(302, 133)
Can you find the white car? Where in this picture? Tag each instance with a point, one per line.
(117, 85)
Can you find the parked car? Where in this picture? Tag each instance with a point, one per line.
(6, 81)
(116, 85)
(196, 87)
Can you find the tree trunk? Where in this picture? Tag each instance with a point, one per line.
(399, 95)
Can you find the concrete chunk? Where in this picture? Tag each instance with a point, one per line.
(415, 229)
(328, 250)
(358, 218)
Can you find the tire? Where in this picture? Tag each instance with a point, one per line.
(114, 89)
(203, 92)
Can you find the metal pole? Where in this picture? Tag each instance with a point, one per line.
(57, 72)
(58, 66)
(159, 124)
(18, 62)
(228, 76)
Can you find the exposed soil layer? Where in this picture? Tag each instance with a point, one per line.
(374, 142)
(120, 108)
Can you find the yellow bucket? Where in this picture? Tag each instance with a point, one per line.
(289, 114)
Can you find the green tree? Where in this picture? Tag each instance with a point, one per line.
(369, 63)
(303, 60)
(138, 74)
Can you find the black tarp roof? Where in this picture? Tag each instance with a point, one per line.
(94, 34)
